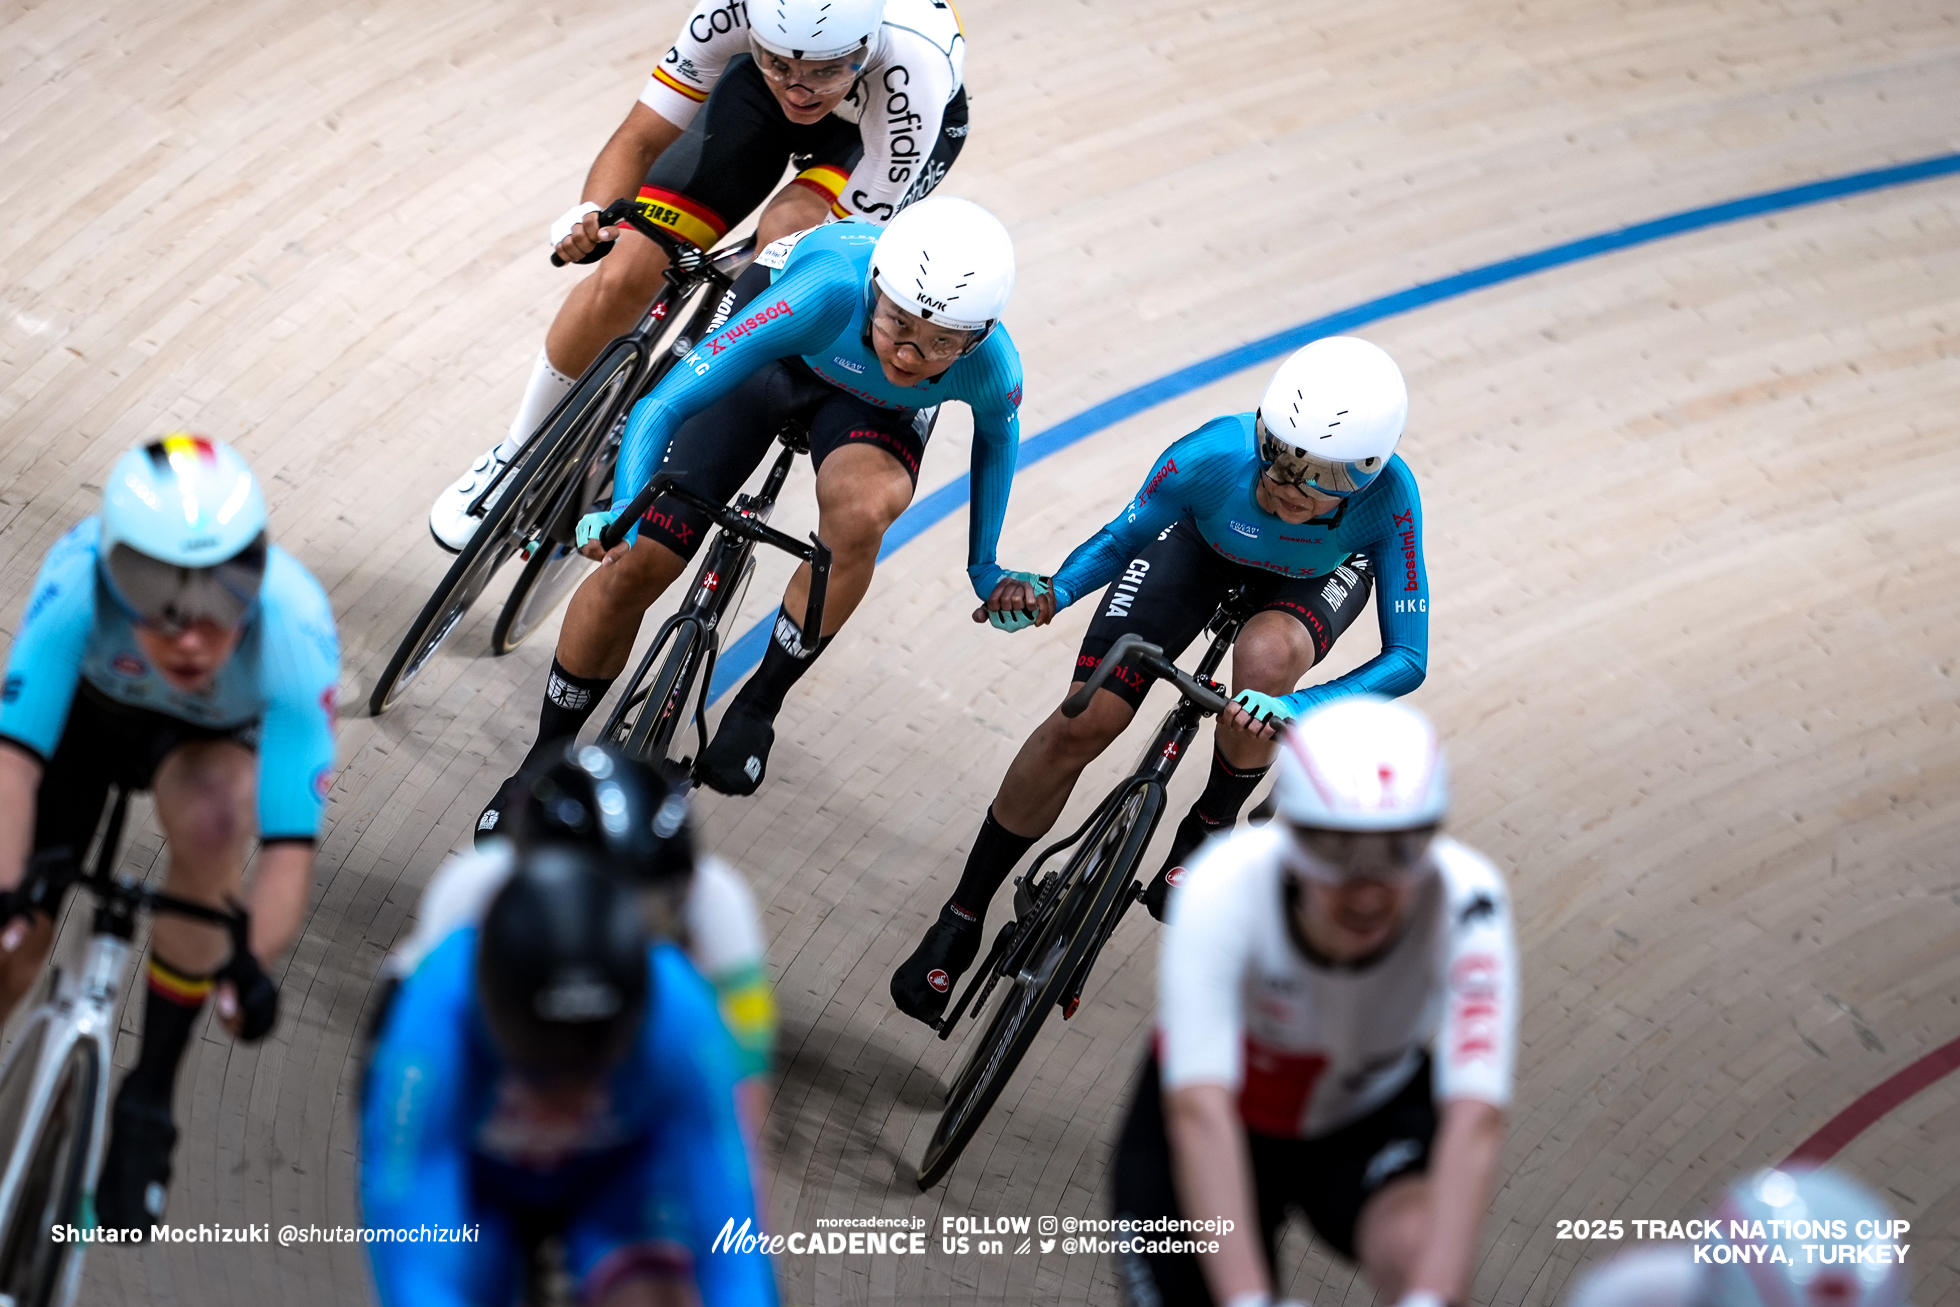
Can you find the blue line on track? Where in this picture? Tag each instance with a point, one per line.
(745, 653)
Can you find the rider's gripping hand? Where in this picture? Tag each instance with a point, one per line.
(577, 236)
(586, 537)
(1257, 714)
(248, 1001)
(1020, 600)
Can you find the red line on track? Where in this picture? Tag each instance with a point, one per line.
(1874, 1103)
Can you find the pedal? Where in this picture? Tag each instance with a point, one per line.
(1070, 1005)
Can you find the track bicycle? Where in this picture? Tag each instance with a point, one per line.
(652, 706)
(531, 508)
(1062, 920)
(54, 1084)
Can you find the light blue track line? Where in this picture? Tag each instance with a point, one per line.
(745, 653)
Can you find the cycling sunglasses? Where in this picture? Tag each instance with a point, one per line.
(171, 599)
(1342, 857)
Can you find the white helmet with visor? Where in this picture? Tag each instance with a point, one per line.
(1362, 783)
(183, 533)
(814, 29)
(1332, 416)
(948, 261)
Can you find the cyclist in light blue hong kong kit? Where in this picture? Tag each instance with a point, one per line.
(1305, 504)
(861, 335)
(167, 646)
(551, 1072)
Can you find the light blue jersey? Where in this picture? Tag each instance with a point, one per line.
(450, 1139)
(1208, 478)
(282, 676)
(815, 310)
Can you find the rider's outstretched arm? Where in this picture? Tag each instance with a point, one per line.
(1201, 1033)
(995, 398)
(1462, 1178)
(43, 669)
(301, 667)
(1473, 1065)
(624, 159)
(415, 1167)
(1182, 481)
(804, 310)
(1394, 549)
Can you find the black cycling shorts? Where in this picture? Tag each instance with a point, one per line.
(718, 449)
(731, 156)
(1327, 1180)
(108, 743)
(1168, 594)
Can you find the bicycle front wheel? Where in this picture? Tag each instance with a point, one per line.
(524, 509)
(1095, 880)
(32, 1265)
(669, 697)
(553, 573)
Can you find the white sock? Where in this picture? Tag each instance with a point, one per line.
(547, 386)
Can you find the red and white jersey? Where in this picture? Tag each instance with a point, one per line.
(917, 64)
(1310, 1046)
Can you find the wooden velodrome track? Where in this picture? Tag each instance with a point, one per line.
(1691, 511)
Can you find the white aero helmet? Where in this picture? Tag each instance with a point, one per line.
(814, 29)
(1816, 1207)
(948, 261)
(1332, 416)
(1362, 763)
(183, 532)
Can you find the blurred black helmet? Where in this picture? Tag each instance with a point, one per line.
(594, 796)
(561, 964)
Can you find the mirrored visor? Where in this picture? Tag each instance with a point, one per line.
(1337, 857)
(170, 598)
(1292, 466)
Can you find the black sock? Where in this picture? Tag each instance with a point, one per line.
(170, 1011)
(995, 851)
(783, 663)
(1226, 791)
(569, 702)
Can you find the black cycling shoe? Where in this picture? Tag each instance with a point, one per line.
(493, 811)
(737, 760)
(1191, 835)
(135, 1181)
(924, 982)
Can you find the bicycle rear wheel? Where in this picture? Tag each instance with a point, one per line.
(522, 512)
(1097, 877)
(33, 1267)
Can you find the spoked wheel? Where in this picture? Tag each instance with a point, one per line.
(555, 568)
(1067, 924)
(532, 498)
(553, 573)
(32, 1265)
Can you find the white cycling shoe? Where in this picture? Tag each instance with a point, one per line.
(449, 517)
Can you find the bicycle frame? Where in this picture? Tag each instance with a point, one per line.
(80, 1009)
(716, 583)
(1151, 778)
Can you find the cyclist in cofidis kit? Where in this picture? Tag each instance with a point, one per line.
(862, 334)
(550, 1071)
(1337, 1026)
(168, 646)
(1306, 503)
(866, 98)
